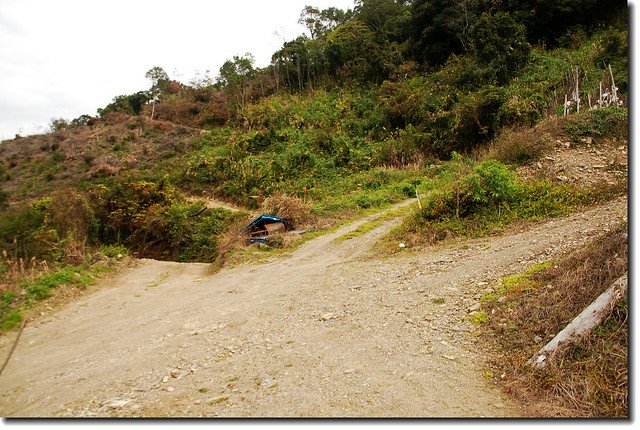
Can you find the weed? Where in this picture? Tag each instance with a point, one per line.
(114, 251)
(11, 320)
(480, 317)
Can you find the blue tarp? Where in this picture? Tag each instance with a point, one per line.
(257, 227)
(258, 223)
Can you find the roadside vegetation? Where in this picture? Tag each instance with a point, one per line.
(587, 378)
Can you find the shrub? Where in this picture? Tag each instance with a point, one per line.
(193, 230)
(130, 211)
(18, 228)
(598, 123)
(114, 250)
(491, 184)
(517, 147)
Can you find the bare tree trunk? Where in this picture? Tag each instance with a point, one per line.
(299, 69)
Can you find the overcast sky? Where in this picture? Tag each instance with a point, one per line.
(66, 58)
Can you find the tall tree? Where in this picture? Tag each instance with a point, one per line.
(499, 45)
(320, 22)
(159, 81)
(234, 77)
(389, 19)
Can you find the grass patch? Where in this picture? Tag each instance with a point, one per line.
(480, 317)
(71, 275)
(361, 230)
(519, 282)
(31, 291)
(114, 251)
(374, 223)
(11, 320)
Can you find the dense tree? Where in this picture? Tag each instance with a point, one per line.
(389, 19)
(499, 46)
(547, 20)
(440, 28)
(130, 104)
(352, 51)
(234, 77)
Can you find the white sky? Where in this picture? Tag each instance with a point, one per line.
(66, 58)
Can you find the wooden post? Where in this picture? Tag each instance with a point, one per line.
(600, 101)
(614, 89)
(577, 96)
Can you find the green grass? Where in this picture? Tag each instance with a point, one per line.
(374, 223)
(114, 250)
(11, 320)
(517, 282)
(34, 291)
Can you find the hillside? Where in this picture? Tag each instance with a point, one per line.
(501, 120)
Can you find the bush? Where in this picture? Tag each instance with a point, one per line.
(114, 251)
(598, 123)
(18, 229)
(193, 231)
(492, 184)
(517, 147)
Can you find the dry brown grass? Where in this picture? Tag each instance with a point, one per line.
(586, 379)
(291, 208)
(520, 146)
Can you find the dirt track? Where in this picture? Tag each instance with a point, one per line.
(325, 331)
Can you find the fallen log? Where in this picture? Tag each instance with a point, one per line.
(590, 317)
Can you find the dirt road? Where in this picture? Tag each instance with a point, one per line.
(325, 331)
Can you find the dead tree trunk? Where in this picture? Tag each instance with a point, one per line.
(590, 317)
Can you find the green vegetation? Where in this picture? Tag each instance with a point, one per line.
(33, 288)
(469, 199)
